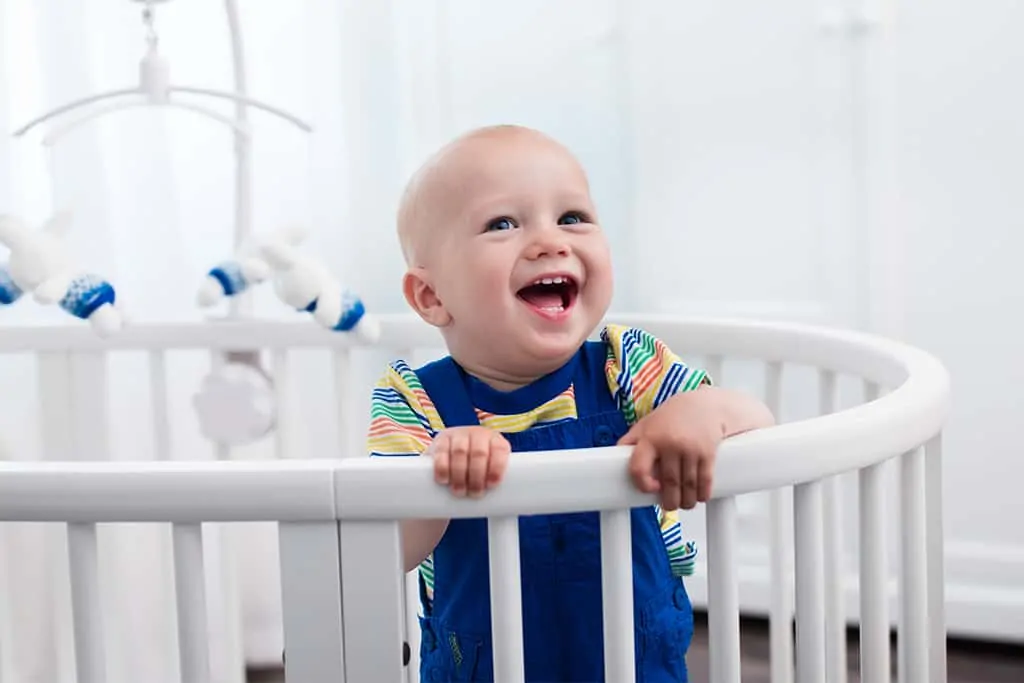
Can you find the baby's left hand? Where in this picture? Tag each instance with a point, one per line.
(674, 449)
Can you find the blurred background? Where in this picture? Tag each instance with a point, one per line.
(852, 163)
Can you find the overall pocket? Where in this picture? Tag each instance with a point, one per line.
(447, 655)
(665, 637)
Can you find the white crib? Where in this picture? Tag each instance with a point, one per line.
(346, 610)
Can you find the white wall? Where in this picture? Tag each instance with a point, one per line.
(747, 160)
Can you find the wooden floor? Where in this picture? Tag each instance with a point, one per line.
(968, 662)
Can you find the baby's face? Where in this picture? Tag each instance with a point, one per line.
(521, 266)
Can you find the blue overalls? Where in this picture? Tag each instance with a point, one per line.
(561, 558)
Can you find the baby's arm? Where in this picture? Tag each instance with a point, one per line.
(677, 418)
(399, 427)
(675, 445)
(467, 459)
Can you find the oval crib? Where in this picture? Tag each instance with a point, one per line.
(345, 608)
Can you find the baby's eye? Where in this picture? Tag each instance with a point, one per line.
(572, 218)
(503, 223)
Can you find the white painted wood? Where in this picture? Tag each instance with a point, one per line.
(781, 549)
(161, 409)
(914, 631)
(283, 445)
(617, 595)
(310, 554)
(342, 361)
(54, 395)
(835, 570)
(506, 599)
(723, 592)
(874, 595)
(810, 581)
(87, 613)
(412, 625)
(190, 590)
(312, 491)
(371, 585)
(936, 560)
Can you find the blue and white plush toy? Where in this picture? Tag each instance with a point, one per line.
(300, 281)
(41, 265)
(233, 277)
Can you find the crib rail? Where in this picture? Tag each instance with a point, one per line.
(344, 610)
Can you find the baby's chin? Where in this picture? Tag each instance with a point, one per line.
(552, 347)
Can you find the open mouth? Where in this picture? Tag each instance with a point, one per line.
(550, 294)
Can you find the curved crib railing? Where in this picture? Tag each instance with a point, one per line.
(343, 607)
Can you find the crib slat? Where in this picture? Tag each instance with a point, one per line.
(723, 591)
(311, 607)
(914, 631)
(835, 617)
(781, 610)
(810, 577)
(617, 595)
(89, 414)
(506, 599)
(53, 374)
(875, 660)
(936, 561)
(282, 401)
(341, 359)
(412, 625)
(874, 600)
(371, 590)
(86, 612)
(161, 413)
(190, 591)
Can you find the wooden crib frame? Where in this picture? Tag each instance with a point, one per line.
(345, 613)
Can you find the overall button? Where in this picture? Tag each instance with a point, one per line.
(679, 598)
(603, 436)
(429, 641)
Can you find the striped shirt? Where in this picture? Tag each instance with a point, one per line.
(641, 373)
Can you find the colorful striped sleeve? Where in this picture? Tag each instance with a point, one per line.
(642, 372)
(403, 420)
(681, 553)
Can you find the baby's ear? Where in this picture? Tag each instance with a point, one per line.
(423, 299)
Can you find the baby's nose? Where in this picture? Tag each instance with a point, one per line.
(549, 244)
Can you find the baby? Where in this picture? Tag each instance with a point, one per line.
(506, 257)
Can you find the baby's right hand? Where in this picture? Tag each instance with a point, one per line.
(469, 459)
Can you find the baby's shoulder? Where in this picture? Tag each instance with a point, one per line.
(398, 373)
(623, 341)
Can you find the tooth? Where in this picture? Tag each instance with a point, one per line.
(547, 281)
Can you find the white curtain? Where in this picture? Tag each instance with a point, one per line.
(152, 192)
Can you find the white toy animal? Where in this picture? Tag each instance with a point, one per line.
(305, 284)
(240, 274)
(300, 281)
(41, 265)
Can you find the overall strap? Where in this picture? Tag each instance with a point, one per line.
(593, 396)
(444, 383)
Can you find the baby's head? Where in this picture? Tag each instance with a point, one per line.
(504, 253)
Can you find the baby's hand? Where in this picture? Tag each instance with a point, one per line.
(469, 459)
(674, 450)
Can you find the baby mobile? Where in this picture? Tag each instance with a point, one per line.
(41, 265)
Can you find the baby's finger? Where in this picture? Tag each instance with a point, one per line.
(439, 452)
(458, 453)
(705, 478)
(670, 476)
(689, 483)
(479, 454)
(498, 462)
(641, 467)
